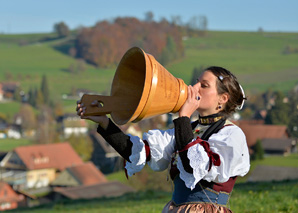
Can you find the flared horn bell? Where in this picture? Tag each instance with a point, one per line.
(141, 88)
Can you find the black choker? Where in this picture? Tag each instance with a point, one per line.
(206, 120)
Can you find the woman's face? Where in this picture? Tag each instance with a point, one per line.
(207, 91)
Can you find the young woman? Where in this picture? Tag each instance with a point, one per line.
(206, 156)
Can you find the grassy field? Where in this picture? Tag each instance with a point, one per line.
(9, 144)
(246, 198)
(256, 58)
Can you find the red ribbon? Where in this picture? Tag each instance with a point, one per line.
(213, 157)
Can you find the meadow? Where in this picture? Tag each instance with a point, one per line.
(258, 60)
(247, 198)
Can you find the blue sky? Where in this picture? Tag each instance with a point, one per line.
(33, 16)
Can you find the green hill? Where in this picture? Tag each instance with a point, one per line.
(259, 61)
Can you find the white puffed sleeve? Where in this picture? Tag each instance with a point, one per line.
(230, 144)
(161, 145)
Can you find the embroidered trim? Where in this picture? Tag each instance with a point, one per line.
(209, 120)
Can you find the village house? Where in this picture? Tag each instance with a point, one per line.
(37, 166)
(108, 189)
(104, 156)
(72, 124)
(77, 175)
(274, 138)
(7, 90)
(9, 199)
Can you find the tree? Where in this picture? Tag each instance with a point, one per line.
(149, 16)
(46, 129)
(258, 153)
(82, 144)
(44, 88)
(28, 118)
(198, 24)
(279, 113)
(169, 53)
(61, 29)
(39, 99)
(293, 112)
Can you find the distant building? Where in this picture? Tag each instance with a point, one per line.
(72, 124)
(9, 199)
(83, 174)
(274, 138)
(36, 166)
(104, 156)
(7, 89)
(109, 189)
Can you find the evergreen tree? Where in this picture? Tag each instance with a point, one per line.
(45, 89)
(31, 97)
(258, 151)
(39, 100)
(279, 113)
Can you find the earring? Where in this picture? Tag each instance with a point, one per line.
(219, 107)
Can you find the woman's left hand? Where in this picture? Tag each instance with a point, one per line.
(191, 104)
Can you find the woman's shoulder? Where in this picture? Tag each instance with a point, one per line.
(230, 131)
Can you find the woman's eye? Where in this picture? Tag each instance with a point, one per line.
(204, 85)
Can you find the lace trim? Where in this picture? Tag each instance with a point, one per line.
(137, 157)
(199, 161)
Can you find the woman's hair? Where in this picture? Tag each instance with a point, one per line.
(228, 83)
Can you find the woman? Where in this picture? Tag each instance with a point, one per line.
(206, 156)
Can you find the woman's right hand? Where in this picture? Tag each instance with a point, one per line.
(102, 120)
(191, 104)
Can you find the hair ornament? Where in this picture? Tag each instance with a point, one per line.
(241, 106)
(220, 77)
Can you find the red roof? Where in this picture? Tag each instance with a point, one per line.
(87, 174)
(7, 194)
(56, 155)
(254, 132)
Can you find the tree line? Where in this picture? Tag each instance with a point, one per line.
(104, 44)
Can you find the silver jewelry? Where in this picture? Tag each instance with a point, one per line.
(198, 97)
(240, 106)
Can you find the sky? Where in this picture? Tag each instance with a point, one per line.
(39, 16)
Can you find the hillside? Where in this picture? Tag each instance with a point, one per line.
(258, 59)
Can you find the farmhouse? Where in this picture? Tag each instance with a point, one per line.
(36, 166)
(274, 138)
(77, 175)
(8, 197)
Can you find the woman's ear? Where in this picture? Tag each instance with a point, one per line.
(224, 98)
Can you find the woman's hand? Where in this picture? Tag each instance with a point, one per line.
(102, 120)
(191, 104)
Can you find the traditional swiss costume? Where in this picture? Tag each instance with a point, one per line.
(205, 158)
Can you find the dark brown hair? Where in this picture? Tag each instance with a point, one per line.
(228, 83)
